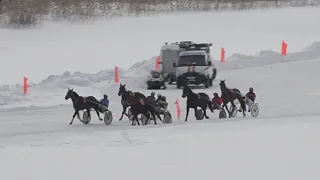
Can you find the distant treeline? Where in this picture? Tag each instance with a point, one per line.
(29, 12)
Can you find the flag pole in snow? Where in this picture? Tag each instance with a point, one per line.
(284, 47)
(25, 85)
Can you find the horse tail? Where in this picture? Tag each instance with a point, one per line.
(208, 101)
(153, 111)
(240, 99)
(95, 103)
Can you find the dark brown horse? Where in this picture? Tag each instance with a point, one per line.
(195, 100)
(229, 95)
(140, 106)
(83, 103)
(124, 93)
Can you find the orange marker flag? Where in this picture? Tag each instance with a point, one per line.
(157, 63)
(178, 108)
(222, 54)
(284, 48)
(25, 85)
(116, 74)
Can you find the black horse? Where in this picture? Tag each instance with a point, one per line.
(124, 93)
(141, 106)
(83, 103)
(194, 101)
(229, 95)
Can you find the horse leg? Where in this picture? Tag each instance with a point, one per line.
(204, 109)
(133, 119)
(97, 114)
(233, 105)
(137, 120)
(89, 113)
(225, 106)
(187, 113)
(123, 111)
(78, 116)
(74, 115)
(243, 106)
(154, 118)
(195, 112)
(158, 115)
(147, 115)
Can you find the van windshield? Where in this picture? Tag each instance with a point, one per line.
(198, 60)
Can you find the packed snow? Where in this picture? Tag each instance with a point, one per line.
(37, 143)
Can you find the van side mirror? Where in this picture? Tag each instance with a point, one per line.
(209, 63)
(174, 64)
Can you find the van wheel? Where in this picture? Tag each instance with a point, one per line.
(207, 83)
(169, 79)
(210, 81)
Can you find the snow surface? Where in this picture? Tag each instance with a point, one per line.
(37, 143)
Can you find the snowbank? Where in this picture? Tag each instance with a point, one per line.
(51, 91)
(266, 57)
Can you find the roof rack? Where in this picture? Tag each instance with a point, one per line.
(182, 43)
(191, 46)
(195, 47)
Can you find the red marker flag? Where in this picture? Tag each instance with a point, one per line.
(157, 63)
(222, 54)
(116, 74)
(284, 47)
(25, 85)
(178, 108)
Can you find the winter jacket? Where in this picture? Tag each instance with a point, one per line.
(217, 100)
(251, 96)
(151, 100)
(162, 104)
(105, 102)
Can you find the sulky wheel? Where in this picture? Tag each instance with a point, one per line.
(108, 118)
(199, 114)
(144, 119)
(86, 118)
(254, 109)
(130, 116)
(167, 118)
(222, 114)
(233, 110)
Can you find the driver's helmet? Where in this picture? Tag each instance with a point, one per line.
(105, 96)
(153, 93)
(215, 94)
(164, 98)
(159, 95)
(251, 89)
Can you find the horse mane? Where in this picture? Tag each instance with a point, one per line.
(76, 94)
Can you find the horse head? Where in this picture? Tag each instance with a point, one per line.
(223, 84)
(186, 91)
(69, 94)
(122, 89)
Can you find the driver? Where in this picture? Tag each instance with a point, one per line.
(162, 103)
(105, 101)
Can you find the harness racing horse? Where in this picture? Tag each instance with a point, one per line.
(194, 100)
(229, 95)
(83, 103)
(125, 98)
(139, 106)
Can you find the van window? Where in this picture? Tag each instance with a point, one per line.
(198, 60)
